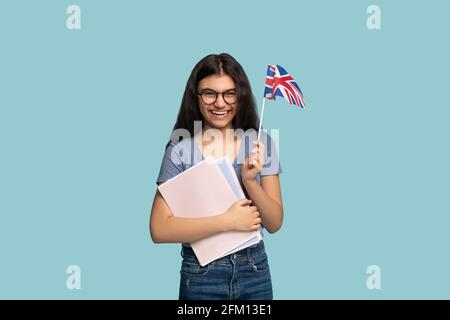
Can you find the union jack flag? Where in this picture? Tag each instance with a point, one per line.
(280, 83)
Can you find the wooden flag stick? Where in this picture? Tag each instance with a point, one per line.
(261, 119)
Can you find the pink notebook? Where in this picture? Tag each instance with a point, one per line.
(206, 189)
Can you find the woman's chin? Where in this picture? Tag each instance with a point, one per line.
(219, 124)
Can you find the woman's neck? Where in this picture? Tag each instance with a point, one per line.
(219, 142)
(224, 131)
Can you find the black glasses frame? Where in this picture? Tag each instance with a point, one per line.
(200, 93)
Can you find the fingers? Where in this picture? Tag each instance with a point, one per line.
(257, 222)
(257, 153)
(259, 147)
(255, 159)
(255, 226)
(258, 144)
(248, 162)
(243, 202)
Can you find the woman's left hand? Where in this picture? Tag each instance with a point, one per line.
(253, 163)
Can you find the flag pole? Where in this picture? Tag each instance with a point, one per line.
(262, 114)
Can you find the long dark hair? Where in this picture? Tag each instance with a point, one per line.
(246, 116)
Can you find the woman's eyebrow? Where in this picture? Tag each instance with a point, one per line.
(204, 89)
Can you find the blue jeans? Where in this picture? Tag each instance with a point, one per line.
(243, 275)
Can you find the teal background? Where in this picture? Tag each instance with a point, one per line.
(85, 115)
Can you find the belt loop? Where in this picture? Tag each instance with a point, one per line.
(249, 254)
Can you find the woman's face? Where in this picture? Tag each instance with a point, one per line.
(219, 113)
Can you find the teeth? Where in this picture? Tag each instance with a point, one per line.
(220, 113)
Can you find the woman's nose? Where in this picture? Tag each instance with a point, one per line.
(220, 102)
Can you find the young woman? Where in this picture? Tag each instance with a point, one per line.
(218, 118)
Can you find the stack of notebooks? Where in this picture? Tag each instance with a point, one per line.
(209, 188)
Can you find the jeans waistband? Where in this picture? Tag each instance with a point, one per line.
(245, 254)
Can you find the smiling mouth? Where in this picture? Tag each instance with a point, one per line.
(219, 113)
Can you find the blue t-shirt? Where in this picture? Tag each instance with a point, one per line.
(181, 155)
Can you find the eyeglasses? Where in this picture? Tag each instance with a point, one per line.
(210, 96)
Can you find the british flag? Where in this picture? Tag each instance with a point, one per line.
(280, 83)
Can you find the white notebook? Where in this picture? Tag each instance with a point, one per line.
(206, 189)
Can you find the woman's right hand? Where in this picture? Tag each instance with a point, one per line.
(243, 218)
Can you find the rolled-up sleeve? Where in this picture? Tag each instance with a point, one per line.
(171, 165)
